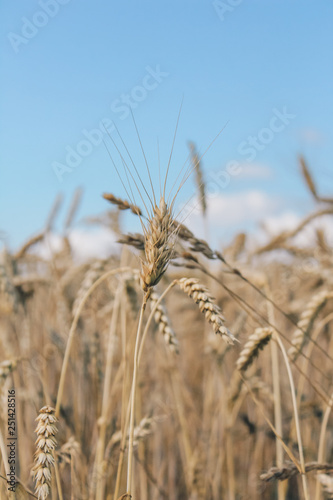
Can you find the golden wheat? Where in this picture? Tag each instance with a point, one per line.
(256, 342)
(44, 456)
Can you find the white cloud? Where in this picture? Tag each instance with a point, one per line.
(248, 206)
(289, 220)
(50, 245)
(255, 171)
(87, 245)
(275, 224)
(230, 213)
(261, 215)
(100, 243)
(311, 136)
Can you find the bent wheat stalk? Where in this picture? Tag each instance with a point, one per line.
(73, 328)
(144, 335)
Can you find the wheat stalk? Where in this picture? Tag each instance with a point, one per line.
(31, 242)
(159, 243)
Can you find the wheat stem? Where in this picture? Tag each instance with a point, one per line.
(134, 379)
(125, 426)
(277, 393)
(73, 328)
(276, 336)
(57, 475)
(321, 449)
(106, 394)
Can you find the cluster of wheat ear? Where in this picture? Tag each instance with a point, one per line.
(231, 416)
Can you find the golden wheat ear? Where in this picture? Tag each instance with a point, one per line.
(158, 247)
(256, 342)
(201, 296)
(199, 178)
(45, 446)
(122, 204)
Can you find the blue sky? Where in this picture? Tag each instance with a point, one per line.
(69, 67)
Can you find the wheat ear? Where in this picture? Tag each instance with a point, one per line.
(158, 246)
(122, 204)
(7, 367)
(327, 482)
(163, 323)
(198, 177)
(141, 431)
(46, 444)
(306, 321)
(135, 240)
(201, 296)
(288, 470)
(93, 273)
(256, 342)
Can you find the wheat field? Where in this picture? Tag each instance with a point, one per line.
(170, 370)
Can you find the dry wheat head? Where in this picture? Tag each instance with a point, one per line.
(200, 294)
(45, 444)
(158, 246)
